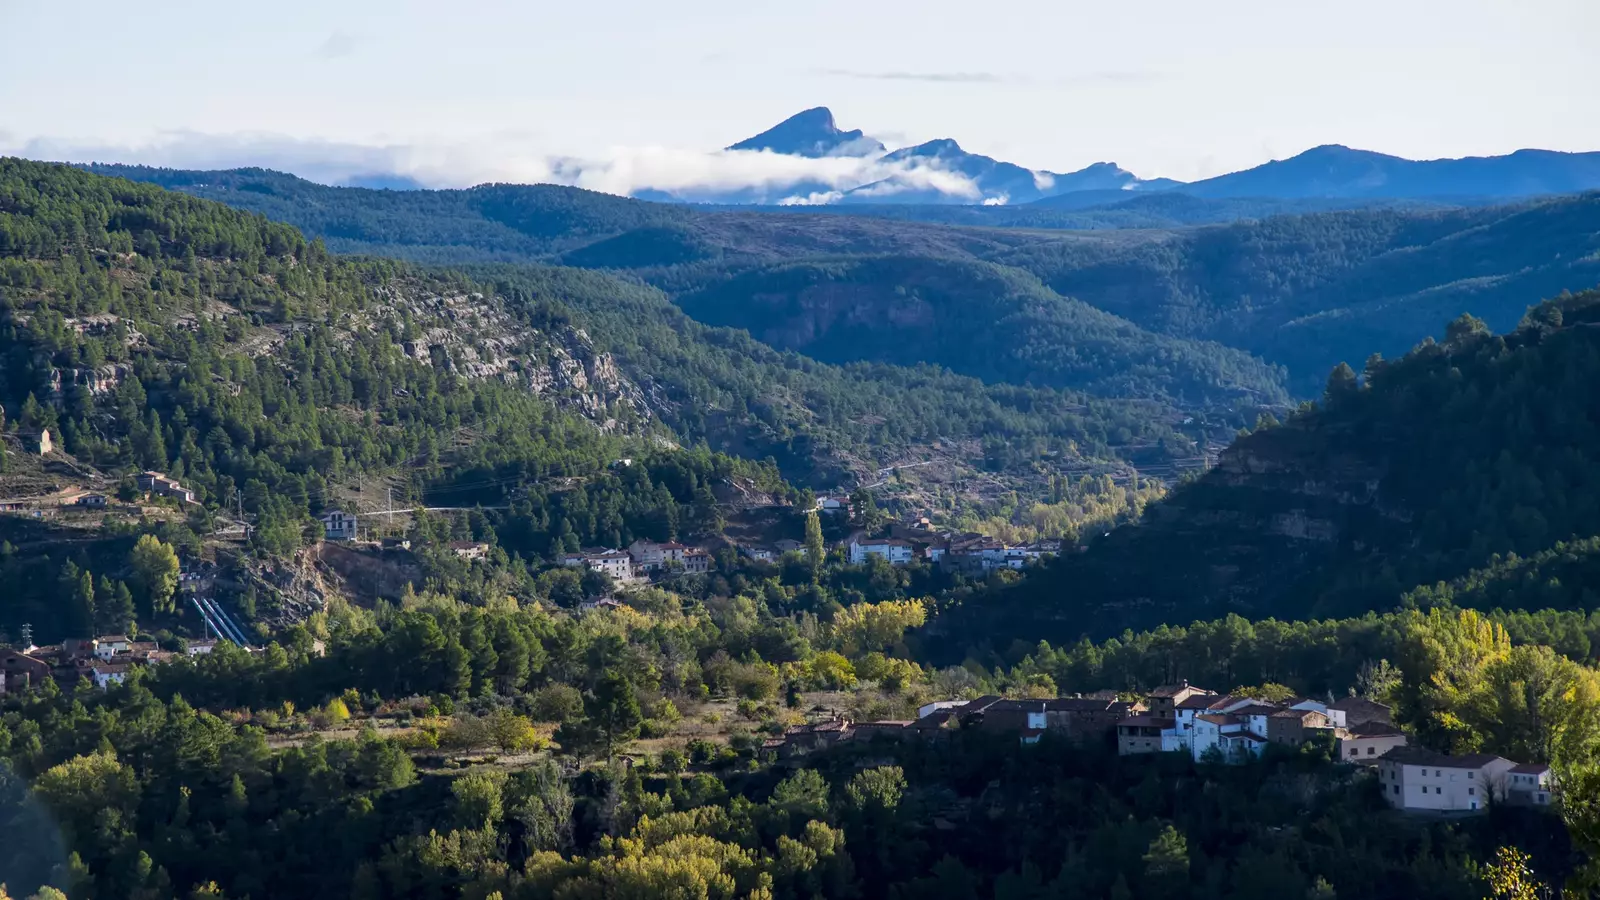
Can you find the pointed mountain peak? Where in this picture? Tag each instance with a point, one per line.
(812, 133)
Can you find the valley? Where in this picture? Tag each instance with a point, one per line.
(568, 545)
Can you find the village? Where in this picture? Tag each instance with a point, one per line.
(103, 661)
(1215, 728)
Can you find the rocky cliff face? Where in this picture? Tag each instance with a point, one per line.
(474, 336)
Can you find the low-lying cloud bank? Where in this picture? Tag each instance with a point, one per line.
(720, 176)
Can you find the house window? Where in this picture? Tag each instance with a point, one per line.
(1438, 790)
(1397, 789)
(1471, 791)
(1371, 751)
(1472, 774)
(1353, 751)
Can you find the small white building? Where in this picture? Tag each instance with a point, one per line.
(894, 551)
(107, 646)
(105, 674)
(615, 563)
(833, 505)
(758, 552)
(1529, 784)
(1420, 780)
(338, 525)
(200, 648)
(787, 546)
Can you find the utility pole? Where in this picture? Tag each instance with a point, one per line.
(390, 509)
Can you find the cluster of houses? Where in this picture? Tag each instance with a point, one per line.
(105, 660)
(1089, 718)
(968, 553)
(642, 560)
(1207, 726)
(1182, 718)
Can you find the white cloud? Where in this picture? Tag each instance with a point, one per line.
(815, 198)
(750, 176)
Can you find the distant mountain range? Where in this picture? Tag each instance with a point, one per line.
(940, 172)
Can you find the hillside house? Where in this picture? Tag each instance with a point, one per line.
(787, 546)
(758, 552)
(1359, 710)
(1163, 701)
(1142, 733)
(1085, 718)
(1336, 717)
(162, 486)
(894, 551)
(1529, 785)
(338, 525)
(469, 550)
(107, 646)
(1365, 742)
(200, 648)
(1294, 727)
(695, 561)
(615, 563)
(1225, 734)
(833, 505)
(92, 501)
(798, 740)
(928, 709)
(105, 674)
(649, 556)
(21, 671)
(1419, 780)
(897, 728)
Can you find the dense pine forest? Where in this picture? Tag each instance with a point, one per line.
(484, 721)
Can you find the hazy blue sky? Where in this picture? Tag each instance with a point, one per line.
(466, 90)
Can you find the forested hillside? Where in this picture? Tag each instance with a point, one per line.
(1308, 292)
(1302, 291)
(1420, 471)
(148, 330)
(997, 324)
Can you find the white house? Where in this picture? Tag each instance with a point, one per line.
(758, 553)
(615, 563)
(894, 551)
(787, 546)
(200, 648)
(1529, 784)
(338, 525)
(106, 674)
(1423, 781)
(107, 646)
(1227, 734)
(833, 505)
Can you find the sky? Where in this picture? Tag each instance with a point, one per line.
(626, 93)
